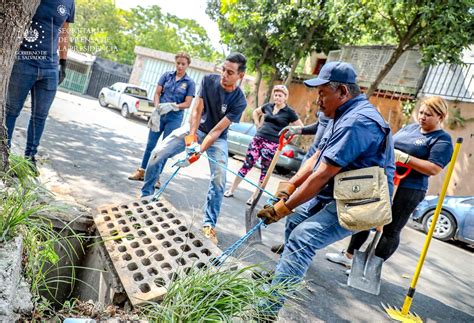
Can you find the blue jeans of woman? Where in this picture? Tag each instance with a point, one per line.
(168, 123)
(173, 145)
(42, 82)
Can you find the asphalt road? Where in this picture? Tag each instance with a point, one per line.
(88, 151)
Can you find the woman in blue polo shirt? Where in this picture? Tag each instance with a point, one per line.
(174, 93)
(427, 149)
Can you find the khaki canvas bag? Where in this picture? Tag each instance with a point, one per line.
(362, 198)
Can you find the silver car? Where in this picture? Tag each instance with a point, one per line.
(241, 134)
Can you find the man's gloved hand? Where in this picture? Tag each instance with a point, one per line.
(291, 131)
(175, 106)
(273, 213)
(401, 157)
(284, 190)
(167, 107)
(188, 160)
(193, 148)
(62, 70)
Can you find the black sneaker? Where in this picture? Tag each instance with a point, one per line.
(263, 274)
(33, 166)
(278, 249)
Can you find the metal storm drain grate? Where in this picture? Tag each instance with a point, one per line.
(148, 244)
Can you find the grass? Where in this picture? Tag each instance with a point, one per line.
(24, 212)
(212, 294)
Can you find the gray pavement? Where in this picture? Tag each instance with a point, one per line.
(88, 151)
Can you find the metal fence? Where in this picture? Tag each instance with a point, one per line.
(77, 77)
(105, 73)
(452, 81)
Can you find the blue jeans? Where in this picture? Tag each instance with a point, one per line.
(168, 122)
(173, 145)
(305, 233)
(43, 84)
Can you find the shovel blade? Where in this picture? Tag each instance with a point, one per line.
(251, 221)
(366, 279)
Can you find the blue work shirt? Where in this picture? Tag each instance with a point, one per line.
(219, 103)
(357, 137)
(40, 43)
(176, 91)
(435, 146)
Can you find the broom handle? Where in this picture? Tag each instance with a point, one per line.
(429, 235)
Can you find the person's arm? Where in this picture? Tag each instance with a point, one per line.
(298, 123)
(305, 170)
(196, 116)
(424, 166)
(186, 104)
(312, 185)
(156, 97)
(215, 133)
(257, 117)
(63, 42)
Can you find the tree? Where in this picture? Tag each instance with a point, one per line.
(103, 30)
(441, 29)
(274, 35)
(15, 16)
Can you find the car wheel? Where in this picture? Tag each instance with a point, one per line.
(102, 100)
(445, 227)
(125, 112)
(282, 171)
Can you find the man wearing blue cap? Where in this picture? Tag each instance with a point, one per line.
(355, 138)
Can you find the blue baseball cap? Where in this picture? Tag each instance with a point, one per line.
(334, 71)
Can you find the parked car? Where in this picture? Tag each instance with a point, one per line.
(456, 220)
(241, 134)
(129, 98)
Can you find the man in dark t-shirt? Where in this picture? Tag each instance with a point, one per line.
(219, 103)
(43, 48)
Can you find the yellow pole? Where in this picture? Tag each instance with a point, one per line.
(429, 235)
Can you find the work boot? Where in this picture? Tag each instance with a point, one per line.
(138, 175)
(210, 233)
(33, 165)
(339, 258)
(278, 249)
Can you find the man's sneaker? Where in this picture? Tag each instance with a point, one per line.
(278, 249)
(339, 258)
(348, 272)
(263, 274)
(158, 184)
(210, 233)
(138, 175)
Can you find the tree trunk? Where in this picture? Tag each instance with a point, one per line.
(15, 16)
(270, 86)
(385, 70)
(297, 58)
(402, 47)
(258, 68)
(258, 80)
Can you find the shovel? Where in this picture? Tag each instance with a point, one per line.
(250, 219)
(366, 266)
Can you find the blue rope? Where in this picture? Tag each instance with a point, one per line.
(238, 175)
(162, 188)
(236, 245)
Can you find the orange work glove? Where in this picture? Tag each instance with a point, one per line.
(273, 213)
(189, 139)
(284, 190)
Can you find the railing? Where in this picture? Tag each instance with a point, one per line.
(452, 81)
